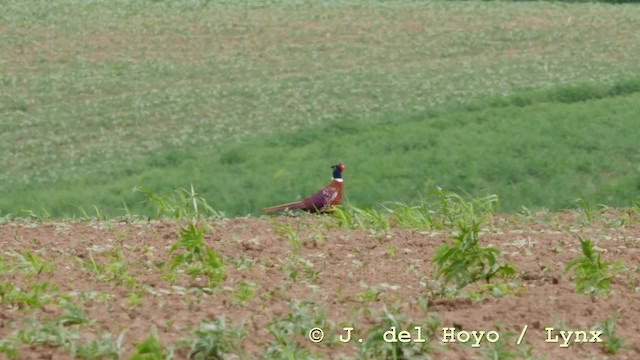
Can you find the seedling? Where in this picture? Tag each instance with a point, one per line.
(29, 263)
(245, 291)
(585, 210)
(383, 341)
(291, 234)
(464, 261)
(612, 343)
(103, 348)
(213, 340)
(196, 257)
(296, 325)
(135, 298)
(114, 269)
(592, 276)
(72, 314)
(39, 294)
(150, 348)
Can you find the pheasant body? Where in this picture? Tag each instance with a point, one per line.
(322, 200)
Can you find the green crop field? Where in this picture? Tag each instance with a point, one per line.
(251, 102)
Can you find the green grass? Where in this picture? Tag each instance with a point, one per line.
(251, 102)
(541, 155)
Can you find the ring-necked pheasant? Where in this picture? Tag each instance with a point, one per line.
(321, 201)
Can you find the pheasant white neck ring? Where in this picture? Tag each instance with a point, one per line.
(337, 179)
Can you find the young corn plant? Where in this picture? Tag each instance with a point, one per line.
(245, 292)
(592, 276)
(105, 347)
(377, 344)
(49, 333)
(9, 346)
(29, 263)
(506, 349)
(73, 314)
(63, 332)
(213, 340)
(464, 262)
(151, 348)
(294, 266)
(37, 296)
(113, 268)
(296, 325)
(586, 211)
(291, 234)
(196, 257)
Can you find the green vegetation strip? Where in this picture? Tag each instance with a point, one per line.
(98, 97)
(533, 149)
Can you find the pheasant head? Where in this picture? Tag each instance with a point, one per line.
(337, 171)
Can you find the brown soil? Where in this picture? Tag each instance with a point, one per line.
(396, 264)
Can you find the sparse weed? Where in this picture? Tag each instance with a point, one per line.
(29, 263)
(353, 217)
(502, 349)
(135, 298)
(245, 292)
(505, 349)
(181, 204)
(98, 214)
(369, 295)
(393, 253)
(9, 346)
(72, 314)
(292, 266)
(213, 340)
(49, 334)
(243, 263)
(611, 342)
(288, 331)
(38, 295)
(451, 208)
(493, 289)
(64, 332)
(411, 216)
(151, 348)
(43, 216)
(377, 346)
(292, 235)
(592, 276)
(586, 211)
(445, 210)
(105, 347)
(115, 268)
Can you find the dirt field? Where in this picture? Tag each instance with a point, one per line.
(338, 279)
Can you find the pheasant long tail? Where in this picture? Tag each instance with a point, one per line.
(290, 206)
